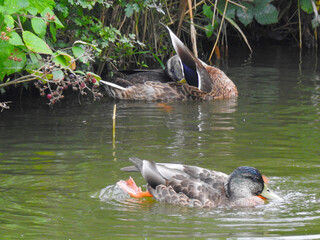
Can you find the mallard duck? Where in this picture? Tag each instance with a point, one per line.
(199, 187)
(185, 77)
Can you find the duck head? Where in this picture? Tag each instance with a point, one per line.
(174, 69)
(246, 182)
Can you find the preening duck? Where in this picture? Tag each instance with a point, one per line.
(202, 82)
(199, 187)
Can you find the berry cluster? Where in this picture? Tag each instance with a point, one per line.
(4, 35)
(53, 89)
(13, 56)
(50, 17)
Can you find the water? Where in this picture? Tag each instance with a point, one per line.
(54, 162)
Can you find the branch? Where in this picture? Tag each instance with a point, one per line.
(19, 80)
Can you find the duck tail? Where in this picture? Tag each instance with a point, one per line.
(137, 165)
(148, 170)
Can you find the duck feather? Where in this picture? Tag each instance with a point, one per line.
(204, 82)
(194, 71)
(199, 187)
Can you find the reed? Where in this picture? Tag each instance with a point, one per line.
(114, 126)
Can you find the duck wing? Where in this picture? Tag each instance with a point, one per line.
(195, 73)
(155, 174)
(188, 192)
(153, 91)
(181, 184)
(170, 171)
(145, 75)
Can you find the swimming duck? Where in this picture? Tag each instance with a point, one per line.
(199, 187)
(185, 77)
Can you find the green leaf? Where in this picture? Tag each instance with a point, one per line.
(128, 11)
(32, 10)
(15, 39)
(35, 44)
(36, 62)
(80, 72)
(64, 59)
(77, 51)
(16, 66)
(58, 75)
(159, 60)
(207, 11)
(5, 50)
(14, 6)
(59, 59)
(306, 6)
(8, 19)
(231, 11)
(40, 5)
(221, 4)
(35, 57)
(209, 30)
(245, 15)
(130, 8)
(7, 65)
(39, 26)
(266, 14)
(49, 11)
(53, 32)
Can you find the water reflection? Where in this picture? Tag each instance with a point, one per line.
(53, 160)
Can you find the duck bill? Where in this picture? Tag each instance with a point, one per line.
(268, 195)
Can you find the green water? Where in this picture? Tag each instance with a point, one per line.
(54, 162)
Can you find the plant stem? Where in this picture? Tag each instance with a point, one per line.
(300, 32)
(19, 80)
(220, 27)
(192, 31)
(114, 126)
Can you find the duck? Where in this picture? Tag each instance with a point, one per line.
(195, 186)
(184, 77)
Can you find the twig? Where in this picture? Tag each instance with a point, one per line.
(114, 126)
(300, 32)
(197, 4)
(19, 80)
(192, 31)
(145, 26)
(222, 20)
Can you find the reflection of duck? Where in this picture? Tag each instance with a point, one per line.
(199, 187)
(203, 82)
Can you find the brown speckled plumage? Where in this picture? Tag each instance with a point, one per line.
(199, 187)
(204, 82)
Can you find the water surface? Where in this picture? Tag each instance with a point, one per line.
(54, 162)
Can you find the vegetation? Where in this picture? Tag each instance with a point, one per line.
(69, 44)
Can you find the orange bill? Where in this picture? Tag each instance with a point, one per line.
(263, 198)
